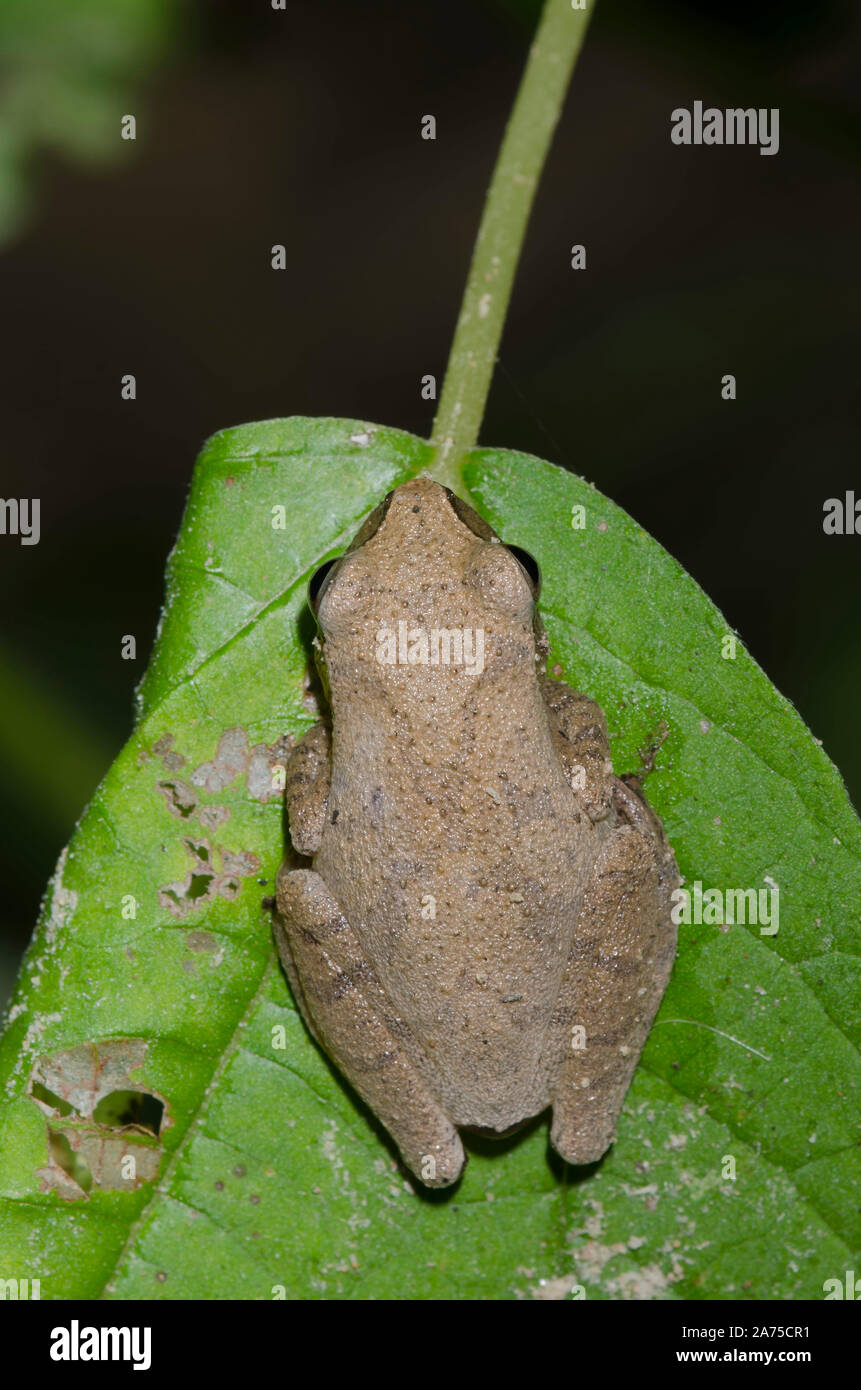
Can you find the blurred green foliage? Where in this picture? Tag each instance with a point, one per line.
(68, 70)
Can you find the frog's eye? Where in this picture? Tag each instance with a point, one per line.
(530, 567)
(319, 581)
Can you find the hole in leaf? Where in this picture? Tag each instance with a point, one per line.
(71, 1163)
(180, 798)
(120, 1108)
(40, 1092)
(199, 886)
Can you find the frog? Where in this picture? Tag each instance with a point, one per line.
(474, 913)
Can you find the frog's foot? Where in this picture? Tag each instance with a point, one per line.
(579, 732)
(617, 971)
(351, 1017)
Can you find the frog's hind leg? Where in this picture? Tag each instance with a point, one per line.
(617, 971)
(351, 1017)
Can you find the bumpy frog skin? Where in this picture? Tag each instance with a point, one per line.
(485, 927)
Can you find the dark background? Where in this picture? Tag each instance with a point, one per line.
(257, 127)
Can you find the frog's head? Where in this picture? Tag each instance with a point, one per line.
(424, 557)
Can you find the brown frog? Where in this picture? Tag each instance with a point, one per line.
(485, 930)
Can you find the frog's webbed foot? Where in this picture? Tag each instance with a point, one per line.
(309, 770)
(579, 732)
(349, 1013)
(617, 971)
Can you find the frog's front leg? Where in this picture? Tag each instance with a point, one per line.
(309, 771)
(350, 1015)
(617, 971)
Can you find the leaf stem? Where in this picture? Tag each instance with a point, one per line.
(509, 201)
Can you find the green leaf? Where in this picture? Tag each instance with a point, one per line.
(69, 72)
(152, 980)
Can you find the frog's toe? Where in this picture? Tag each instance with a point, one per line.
(442, 1164)
(579, 1141)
